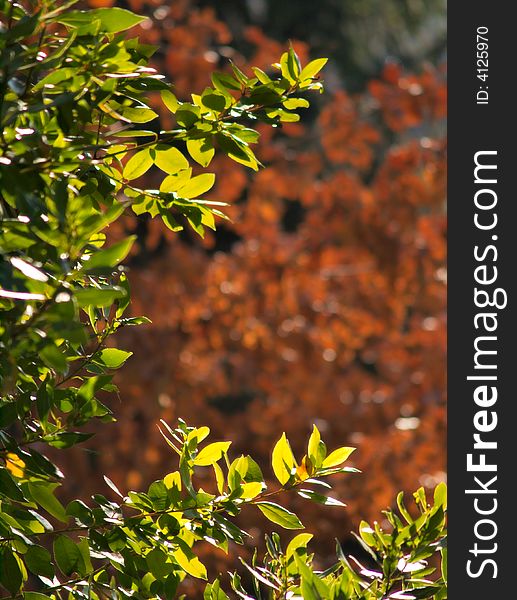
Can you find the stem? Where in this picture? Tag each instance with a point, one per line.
(85, 362)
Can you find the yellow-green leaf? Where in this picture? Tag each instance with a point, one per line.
(172, 183)
(440, 495)
(138, 164)
(170, 160)
(202, 151)
(173, 480)
(251, 490)
(337, 457)
(139, 114)
(299, 541)
(219, 477)
(112, 256)
(283, 460)
(170, 100)
(43, 494)
(211, 454)
(313, 68)
(293, 103)
(189, 562)
(200, 434)
(280, 515)
(312, 448)
(197, 186)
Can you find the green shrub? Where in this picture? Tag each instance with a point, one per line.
(74, 143)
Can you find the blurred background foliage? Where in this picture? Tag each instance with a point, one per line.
(324, 300)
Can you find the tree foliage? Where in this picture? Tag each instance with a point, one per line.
(322, 300)
(77, 136)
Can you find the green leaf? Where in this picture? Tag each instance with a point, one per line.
(337, 457)
(10, 573)
(237, 151)
(214, 101)
(79, 510)
(9, 414)
(253, 472)
(320, 498)
(211, 454)
(157, 564)
(279, 515)
(224, 82)
(99, 297)
(138, 164)
(402, 508)
(158, 493)
(293, 62)
(38, 561)
(367, 534)
(169, 221)
(113, 358)
(312, 587)
(137, 114)
(111, 256)
(214, 592)
(68, 556)
(283, 460)
(239, 74)
(313, 68)
(86, 568)
(237, 472)
(34, 596)
(187, 115)
(202, 151)
(54, 358)
(261, 76)
(43, 494)
(112, 20)
(43, 401)
(97, 222)
(67, 439)
(286, 65)
(170, 160)
(197, 186)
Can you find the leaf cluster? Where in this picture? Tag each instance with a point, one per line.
(74, 95)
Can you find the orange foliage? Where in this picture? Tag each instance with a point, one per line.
(323, 301)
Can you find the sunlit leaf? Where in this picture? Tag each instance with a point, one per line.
(337, 457)
(280, 515)
(283, 460)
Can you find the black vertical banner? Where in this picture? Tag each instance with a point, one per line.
(482, 200)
